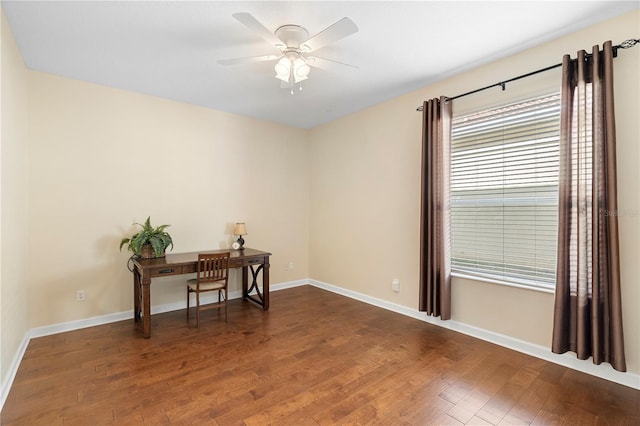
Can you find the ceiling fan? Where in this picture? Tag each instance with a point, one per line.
(294, 63)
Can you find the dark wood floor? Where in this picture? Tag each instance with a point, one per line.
(314, 358)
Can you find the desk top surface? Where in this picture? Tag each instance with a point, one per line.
(191, 257)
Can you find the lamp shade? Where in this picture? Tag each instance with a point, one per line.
(240, 229)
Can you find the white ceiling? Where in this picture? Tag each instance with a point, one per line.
(170, 49)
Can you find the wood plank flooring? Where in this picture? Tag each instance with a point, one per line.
(315, 358)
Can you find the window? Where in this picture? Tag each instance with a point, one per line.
(504, 193)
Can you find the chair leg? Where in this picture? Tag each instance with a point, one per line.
(225, 304)
(198, 309)
(188, 294)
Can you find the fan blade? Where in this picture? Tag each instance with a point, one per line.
(253, 24)
(335, 32)
(235, 61)
(324, 63)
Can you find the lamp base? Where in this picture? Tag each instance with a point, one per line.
(241, 242)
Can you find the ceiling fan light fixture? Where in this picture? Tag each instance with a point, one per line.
(300, 70)
(283, 69)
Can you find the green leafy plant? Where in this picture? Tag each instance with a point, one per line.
(158, 238)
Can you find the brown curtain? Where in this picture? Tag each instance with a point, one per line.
(588, 312)
(435, 262)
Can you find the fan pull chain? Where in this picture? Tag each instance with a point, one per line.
(291, 88)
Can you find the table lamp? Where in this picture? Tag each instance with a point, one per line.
(240, 229)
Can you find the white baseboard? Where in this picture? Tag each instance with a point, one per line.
(13, 369)
(289, 284)
(569, 360)
(604, 371)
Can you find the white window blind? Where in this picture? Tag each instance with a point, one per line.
(504, 192)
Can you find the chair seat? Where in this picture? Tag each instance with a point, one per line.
(192, 284)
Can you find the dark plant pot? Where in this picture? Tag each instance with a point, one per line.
(148, 253)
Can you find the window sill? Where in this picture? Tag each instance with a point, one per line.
(499, 282)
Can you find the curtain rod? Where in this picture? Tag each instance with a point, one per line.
(624, 45)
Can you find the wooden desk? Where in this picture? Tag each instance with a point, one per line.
(186, 263)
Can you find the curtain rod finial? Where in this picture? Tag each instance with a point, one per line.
(625, 45)
(629, 43)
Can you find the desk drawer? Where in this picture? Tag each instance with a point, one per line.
(165, 271)
(247, 262)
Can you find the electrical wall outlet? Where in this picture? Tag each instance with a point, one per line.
(80, 295)
(395, 285)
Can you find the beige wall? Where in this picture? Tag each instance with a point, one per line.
(340, 201)
(13, 202)
(101, 158)
(365, 186)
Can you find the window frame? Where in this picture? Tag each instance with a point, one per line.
(480, 274)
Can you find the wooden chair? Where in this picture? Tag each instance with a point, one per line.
(212, 275)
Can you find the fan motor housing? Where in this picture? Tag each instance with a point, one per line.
(292, 35)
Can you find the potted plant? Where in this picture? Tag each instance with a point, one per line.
(149, 242)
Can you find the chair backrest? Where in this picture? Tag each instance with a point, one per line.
(213, 267)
